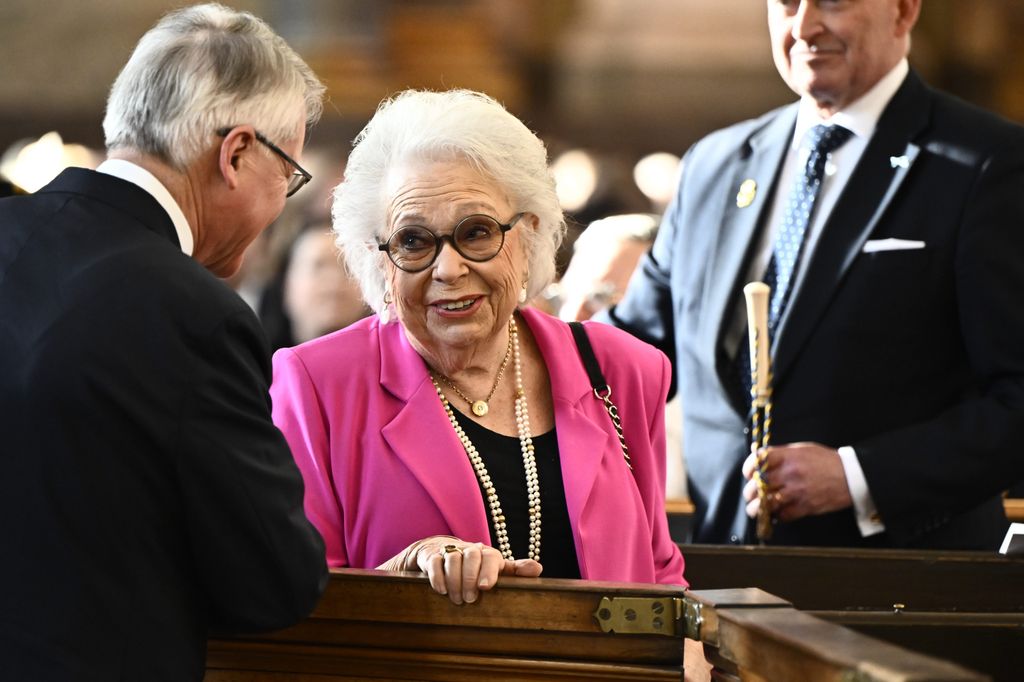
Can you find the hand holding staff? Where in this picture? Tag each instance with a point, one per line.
(756, 295)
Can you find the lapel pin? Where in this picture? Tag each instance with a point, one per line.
(899, 162)
(748, 190)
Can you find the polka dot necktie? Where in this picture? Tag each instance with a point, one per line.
(820, 140)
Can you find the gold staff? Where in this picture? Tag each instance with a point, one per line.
(757, 294)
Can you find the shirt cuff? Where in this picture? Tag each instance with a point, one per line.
(868, 519)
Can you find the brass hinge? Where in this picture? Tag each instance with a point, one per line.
(641, 615)
(692, 618)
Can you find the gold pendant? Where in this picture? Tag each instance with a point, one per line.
(480, 408)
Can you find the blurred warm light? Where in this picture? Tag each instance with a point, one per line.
(31, 165)
(575, 174)
(657, 175)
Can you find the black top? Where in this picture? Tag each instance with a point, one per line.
(503, 458)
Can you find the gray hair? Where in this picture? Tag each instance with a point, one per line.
(202, 68)
(457, 124)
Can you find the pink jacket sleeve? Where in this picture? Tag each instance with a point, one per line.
(297, 411)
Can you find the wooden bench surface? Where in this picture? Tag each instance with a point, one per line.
(377, 625)
(814, 578)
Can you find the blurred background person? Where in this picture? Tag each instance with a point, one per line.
(266, 257)
(603, 259)
(312, 293)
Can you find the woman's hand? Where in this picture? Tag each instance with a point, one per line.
(459, 569)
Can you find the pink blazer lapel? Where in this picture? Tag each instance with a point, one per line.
(423, 439)
(584, 436)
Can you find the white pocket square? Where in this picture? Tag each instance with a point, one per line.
(891, 244)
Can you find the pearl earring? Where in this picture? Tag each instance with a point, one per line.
(522, 294)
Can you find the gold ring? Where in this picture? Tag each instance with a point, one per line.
(450, 548)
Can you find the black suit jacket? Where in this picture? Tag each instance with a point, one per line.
(913, 357)
(145, 494)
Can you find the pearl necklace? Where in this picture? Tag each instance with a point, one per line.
(480, 407)
(529, 461)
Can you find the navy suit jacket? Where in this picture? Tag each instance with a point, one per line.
(145, 494)
(913, 357)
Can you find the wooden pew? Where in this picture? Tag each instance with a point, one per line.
(963, 606)
(679, 512)
(376, 625)
(391, 625)
(752, 635)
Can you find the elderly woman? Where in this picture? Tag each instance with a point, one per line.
(432, 435)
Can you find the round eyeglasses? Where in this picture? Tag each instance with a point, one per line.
(478, 238)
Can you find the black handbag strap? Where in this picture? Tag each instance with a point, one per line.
(597, 380)
(602, 391)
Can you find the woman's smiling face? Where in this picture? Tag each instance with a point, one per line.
(455, 305)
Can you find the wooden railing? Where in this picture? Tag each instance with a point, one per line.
(1014, 508)
(752, 635)
(963, 606)
(391, 626)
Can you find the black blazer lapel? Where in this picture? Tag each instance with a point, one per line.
(879, 173)
(760, 160)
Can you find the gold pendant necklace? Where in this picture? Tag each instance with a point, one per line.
(529, 461)
(481, 407)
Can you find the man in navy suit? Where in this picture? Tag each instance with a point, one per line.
(898, 350)
(146, 496)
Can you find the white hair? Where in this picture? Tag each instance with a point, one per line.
(457, 124)
(201, 69)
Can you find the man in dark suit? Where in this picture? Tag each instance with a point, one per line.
(146, 496)
(898, 342)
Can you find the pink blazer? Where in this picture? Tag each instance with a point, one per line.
(383, 466)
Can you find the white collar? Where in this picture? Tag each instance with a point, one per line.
(137, 175)
(860, 117)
